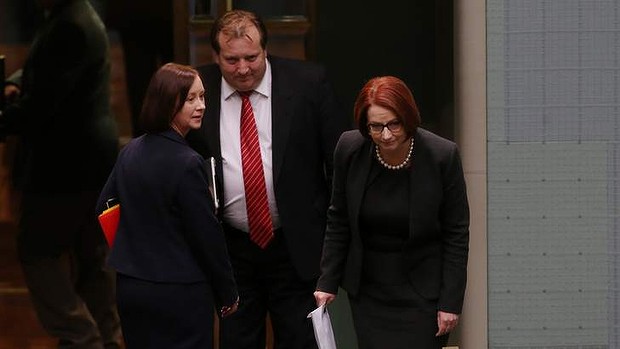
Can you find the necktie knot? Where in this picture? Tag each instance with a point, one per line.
(245, 94)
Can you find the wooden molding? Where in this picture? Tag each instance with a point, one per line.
(287, 37)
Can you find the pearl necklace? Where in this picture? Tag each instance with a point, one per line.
(399, 166)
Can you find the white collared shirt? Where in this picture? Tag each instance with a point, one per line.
(230, 117)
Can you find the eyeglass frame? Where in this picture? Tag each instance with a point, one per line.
(397, 124)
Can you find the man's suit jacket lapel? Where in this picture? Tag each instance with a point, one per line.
(212, 113)
(281, 115)
(211, 123)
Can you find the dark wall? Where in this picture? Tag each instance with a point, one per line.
(355, 40)
(18, 21)
(410, 39)
(271, 8)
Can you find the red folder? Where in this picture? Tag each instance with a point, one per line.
(108, 220)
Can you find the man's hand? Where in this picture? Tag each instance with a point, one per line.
(11, 93)
(446, 322)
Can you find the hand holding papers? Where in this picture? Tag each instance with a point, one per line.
(322, 328)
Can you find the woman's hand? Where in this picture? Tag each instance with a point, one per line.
(323, 298)
(446, 322)
(228, 310)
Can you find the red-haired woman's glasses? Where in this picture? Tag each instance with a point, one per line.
(393, 126)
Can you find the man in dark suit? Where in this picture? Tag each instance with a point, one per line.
(298, 124)
(68, 145)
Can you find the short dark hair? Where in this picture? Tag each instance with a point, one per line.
(165, 96)
(235, 24)
(391, 93)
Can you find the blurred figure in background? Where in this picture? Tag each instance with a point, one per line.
(67, 146)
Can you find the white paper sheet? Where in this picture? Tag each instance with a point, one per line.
(322, 328)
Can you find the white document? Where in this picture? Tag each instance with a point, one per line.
(322, 328)
(213, 183)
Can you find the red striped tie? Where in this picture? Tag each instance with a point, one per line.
(259, 218)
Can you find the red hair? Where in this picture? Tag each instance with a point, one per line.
(391, 93)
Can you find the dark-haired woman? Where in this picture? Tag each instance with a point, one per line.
(169, 253)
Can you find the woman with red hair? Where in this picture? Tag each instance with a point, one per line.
(398, 224)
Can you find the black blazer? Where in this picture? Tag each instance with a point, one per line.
(68, 138)
(167, 231)
(437, 249)
(306, 124)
